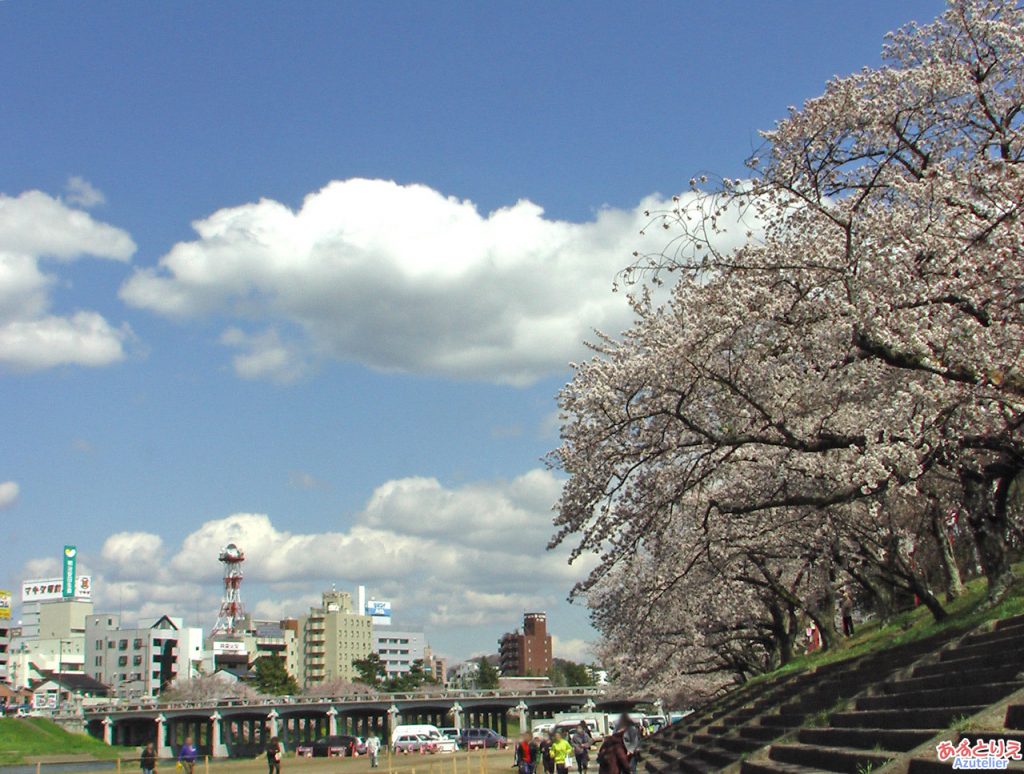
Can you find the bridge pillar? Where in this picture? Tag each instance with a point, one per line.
(332, 722)
(161, 746)
(394, 718)
(456, 713)
(522, 710)
(272, 717)
(217, 747)
(108, 731)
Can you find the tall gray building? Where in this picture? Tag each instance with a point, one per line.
(138, 661)
(399, 649)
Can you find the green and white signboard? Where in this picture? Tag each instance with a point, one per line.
(70, 565)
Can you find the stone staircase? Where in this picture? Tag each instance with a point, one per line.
(1013, 728)
(751, 718)
(900, 713)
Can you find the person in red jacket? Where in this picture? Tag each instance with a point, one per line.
(526, 755)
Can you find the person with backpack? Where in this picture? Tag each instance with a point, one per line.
(630, 739)
(581, 740)
(274, 756)
(612, 757)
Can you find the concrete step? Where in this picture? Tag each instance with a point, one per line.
(739, 745)
(774, 767)
(998, 647)
(932, 766)
(760, 733)
(716, 756)
(941, 697)
(995, 635)
(900, 739)
(1014, 717)
(696, 766)
(934, 717)
(1010, 623)
(842, 759)
(912, 684)
(1005, 659)
(1016, 736)
(783, 719)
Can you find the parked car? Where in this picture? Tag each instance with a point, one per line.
(414, 743)
(328, 747)
(478, 738)
(450, 733)
(446, 745)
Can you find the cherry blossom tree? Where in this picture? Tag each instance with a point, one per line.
(862, 344)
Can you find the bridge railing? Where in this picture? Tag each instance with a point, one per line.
(134, 705)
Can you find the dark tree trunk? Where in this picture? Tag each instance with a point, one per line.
(985, 501)
(954, 582)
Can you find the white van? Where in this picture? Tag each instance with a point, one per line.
(433, 733)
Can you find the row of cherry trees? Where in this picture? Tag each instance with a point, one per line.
(837, 404)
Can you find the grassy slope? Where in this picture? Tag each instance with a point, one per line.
(38, 736)
(965, 612)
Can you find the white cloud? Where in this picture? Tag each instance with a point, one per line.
(80, 191)
(572, 649)
(400, 278)
(264, 356)
(9, 491)
(465, 556)
(300, 479)
(38, 225)
(35, 227)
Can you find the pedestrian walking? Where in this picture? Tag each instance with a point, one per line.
(612, 757)
(561, 751)
(630, 740)
(274, 756)
(147, 759)
(581, 740)
(373, 749)
(187, 756)
(544, 753)
(526, 754)
(846, 609)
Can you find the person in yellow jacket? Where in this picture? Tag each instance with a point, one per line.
(560, 751)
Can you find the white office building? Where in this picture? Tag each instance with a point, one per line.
(141, 660)
(398, 650)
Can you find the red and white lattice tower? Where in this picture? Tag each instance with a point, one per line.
(230, 616)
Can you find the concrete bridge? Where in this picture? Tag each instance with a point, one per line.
(237, 728)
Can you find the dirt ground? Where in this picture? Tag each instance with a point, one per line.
(468, 762)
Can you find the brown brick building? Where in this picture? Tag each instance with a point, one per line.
(529, 652)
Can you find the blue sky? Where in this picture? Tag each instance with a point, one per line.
(375, 374)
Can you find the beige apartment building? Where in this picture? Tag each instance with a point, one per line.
(333, 636)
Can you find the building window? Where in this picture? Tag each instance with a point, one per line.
(138, 643)
(99, 661)
(122, 645)
(156, 675)
(99, 644)
(136, 660)
(122, 661)
(111, 645)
